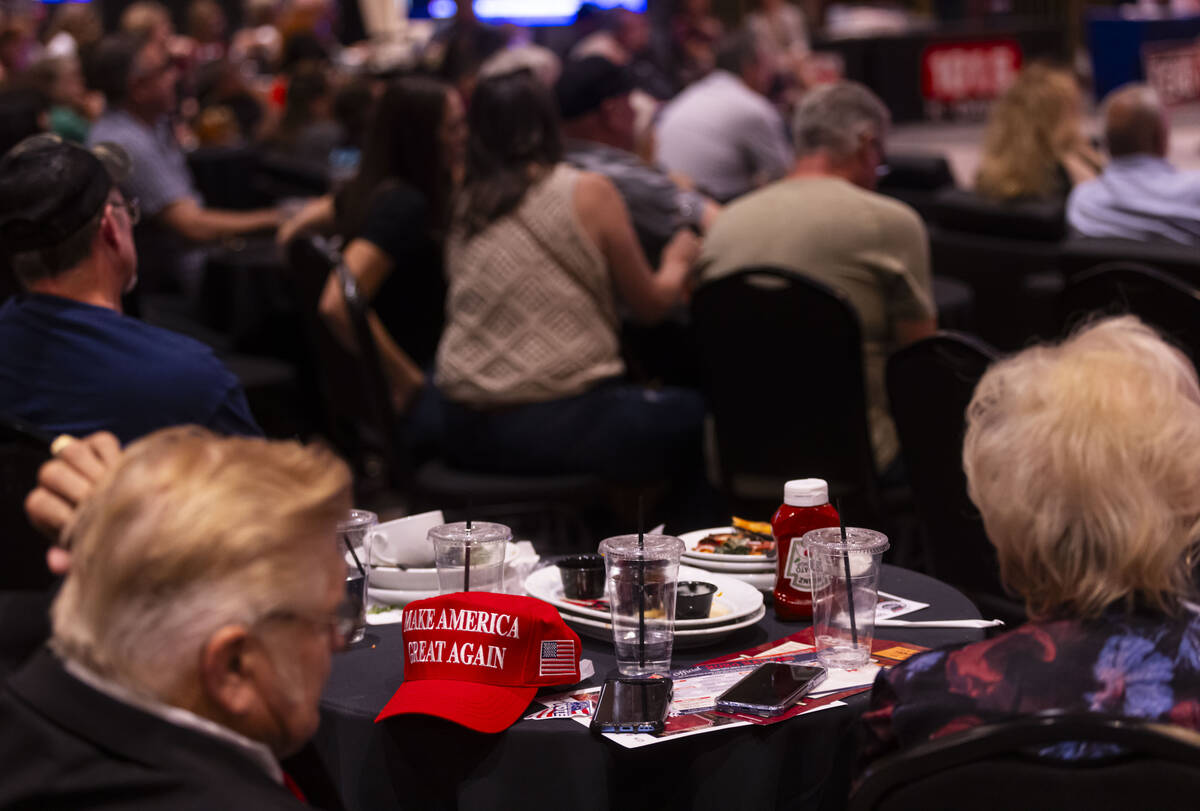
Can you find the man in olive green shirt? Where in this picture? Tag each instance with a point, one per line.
(825, 221)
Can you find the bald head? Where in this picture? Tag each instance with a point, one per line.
(1134, 123)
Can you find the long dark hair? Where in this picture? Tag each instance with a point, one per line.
(307, 87)
(402, 145)
(514, 130)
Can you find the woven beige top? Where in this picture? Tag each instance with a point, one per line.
(530, 312)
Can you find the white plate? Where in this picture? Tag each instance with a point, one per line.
(684, 637)
(399, 597)
(763, 581)
(706, 562)
(691, 539)
(734, 599)
(393, 577)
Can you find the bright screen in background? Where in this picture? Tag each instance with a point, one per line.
(522, 12)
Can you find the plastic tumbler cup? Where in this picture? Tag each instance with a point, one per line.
(845, 590)
(354, 532)
(470, 558)
(640, 580)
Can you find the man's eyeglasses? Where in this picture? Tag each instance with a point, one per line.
(340, 622)
(131, 208)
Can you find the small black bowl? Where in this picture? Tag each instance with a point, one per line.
(582, 576)
(693, 599)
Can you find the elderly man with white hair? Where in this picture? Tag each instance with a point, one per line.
(825, 221)
(1139, 195)
(192, 636)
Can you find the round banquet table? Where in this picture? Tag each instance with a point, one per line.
(422, 762)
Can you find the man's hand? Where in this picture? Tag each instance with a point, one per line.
(63, 483)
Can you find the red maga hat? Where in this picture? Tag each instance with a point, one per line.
(478, 658)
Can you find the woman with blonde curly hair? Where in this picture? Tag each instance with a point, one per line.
(1084, 461)
(1034, 146)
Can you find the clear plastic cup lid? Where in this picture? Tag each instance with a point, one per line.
(479, 532)
(654, 547)
(357, 519)
(829, 539)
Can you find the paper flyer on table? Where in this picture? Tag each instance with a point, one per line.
(578, 705)
(696, 688)
(891, 606)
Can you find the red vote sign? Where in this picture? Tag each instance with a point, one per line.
(972, 70)
(1173, 69)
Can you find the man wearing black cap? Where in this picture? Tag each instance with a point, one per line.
(598, 120)
(70, 361)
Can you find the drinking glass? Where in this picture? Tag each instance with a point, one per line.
(845, 589)
(354, 533)
(640, 583)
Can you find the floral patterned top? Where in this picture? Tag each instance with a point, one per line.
(1140, 665)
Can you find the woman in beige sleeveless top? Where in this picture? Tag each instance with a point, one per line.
(538, 261)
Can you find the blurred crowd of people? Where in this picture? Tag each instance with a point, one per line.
(511, 213)
(480, 181)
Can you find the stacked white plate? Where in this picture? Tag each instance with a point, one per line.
(399, 586)
(756, 570)
(735, 605)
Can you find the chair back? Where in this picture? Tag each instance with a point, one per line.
(781, 363)
(225, 176)
(358, 415)
(1161, 300)
(280, 176)
(1004, 766)
(916, 179)
(1084, 253)
(23, 449)
(929, 385)
(1008, 253)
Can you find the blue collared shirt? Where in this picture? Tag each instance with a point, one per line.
(70, 367)
(1138, 197)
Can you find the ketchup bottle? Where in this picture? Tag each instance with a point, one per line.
(805, 506)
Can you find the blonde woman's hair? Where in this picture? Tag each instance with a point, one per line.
(1084, 461)
(1027, 130)
(188, 533)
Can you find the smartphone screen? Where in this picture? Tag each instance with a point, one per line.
(771, 688)
(633, 705)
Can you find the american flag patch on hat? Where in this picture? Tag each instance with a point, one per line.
(558, 657)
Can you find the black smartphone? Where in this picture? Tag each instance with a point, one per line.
(632, 705)
(770, 689)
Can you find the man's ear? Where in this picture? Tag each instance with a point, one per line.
(228, 666)
(108, 227)
(608, 109)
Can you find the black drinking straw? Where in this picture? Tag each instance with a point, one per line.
(357, 562)
(467, 561)
(641, 585)
(849, 585)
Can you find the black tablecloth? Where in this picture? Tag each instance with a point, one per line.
(420, 762)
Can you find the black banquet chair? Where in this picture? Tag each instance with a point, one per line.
(1084, 253)
(23, 449)
(781, 364)
(1162, 300)
(929, 385)
(999, 766)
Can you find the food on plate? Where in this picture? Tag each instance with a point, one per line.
(762, 528)
(747, 538)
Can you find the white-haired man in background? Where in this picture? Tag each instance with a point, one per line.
(192, 636)
(1139, 195)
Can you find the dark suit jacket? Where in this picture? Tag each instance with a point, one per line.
(66, 745)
